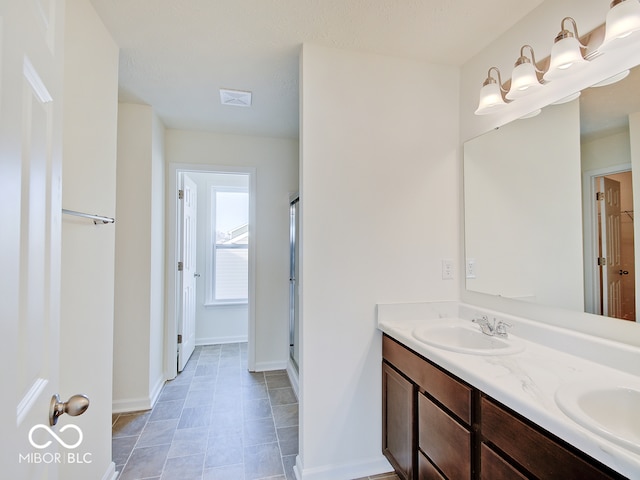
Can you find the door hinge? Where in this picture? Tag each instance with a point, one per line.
(180, 266)
(599, 196)
(180, 194)
(179, 339)
(602, 261)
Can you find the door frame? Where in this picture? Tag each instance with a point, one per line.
(590, 233)
(173, 254)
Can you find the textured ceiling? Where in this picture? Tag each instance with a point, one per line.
(176, 54)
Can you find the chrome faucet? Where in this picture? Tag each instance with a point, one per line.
(492, 328)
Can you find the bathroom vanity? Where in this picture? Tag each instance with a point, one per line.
(463, 409)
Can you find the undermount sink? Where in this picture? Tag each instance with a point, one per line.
(467, 339)
(606, 408)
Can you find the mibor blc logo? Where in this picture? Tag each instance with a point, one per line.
(55, 457)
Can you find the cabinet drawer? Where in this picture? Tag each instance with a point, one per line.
(537, 453)
(443, 440)
(450, 392)
(426, 471)
(493, 467)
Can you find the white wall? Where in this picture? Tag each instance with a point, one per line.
(538, 29)
(276, 164)
(605, 151)
(380, 208)
(89, 185)
(139, 271)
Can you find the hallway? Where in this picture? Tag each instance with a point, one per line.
(215, 421)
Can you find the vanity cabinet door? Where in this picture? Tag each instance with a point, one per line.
(443, 440)
(397, 421)
(533, 449)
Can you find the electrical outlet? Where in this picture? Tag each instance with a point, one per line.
(447, 269)
(471, 268)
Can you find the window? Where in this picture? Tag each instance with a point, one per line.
(230, 245)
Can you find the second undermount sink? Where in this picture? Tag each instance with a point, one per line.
(469, 339)
(607, 408)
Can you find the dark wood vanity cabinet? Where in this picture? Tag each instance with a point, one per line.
(436, 427)
(439, 431)
(518, 444)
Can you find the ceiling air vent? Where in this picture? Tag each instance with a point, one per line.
(237, 98)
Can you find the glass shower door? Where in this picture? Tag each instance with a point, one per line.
(294, 323)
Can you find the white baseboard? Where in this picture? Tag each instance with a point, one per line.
(157, 389)
(137, 404)
(111, 473)
(345, 471)
(221, 340)
(270, 366)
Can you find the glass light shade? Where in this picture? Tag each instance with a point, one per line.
(622, 20)
(490, 99)
(566, 57)
(523, 81)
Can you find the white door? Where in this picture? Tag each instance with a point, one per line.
(187, 323)
(31, 43)
(610, 241)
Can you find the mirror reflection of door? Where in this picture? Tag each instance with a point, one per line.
(616, 246)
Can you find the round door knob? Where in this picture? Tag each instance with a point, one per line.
(75, 406)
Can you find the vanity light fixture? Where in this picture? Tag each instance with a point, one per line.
(491, 94)
(524, 78)
(622, 20)
(566, 52)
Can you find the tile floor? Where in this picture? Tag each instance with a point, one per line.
(215, 421)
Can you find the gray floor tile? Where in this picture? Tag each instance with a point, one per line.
(130, 424)
(282, 396)
(285, 415)
(259, 431)
(288, 440)
(157, 433)
(121, 448)
(145, 462)
(195, 417)
(189, 441)
(184, 468)
(166, 410)
(289, 462)
(262, 461)
(278, 381)
(174, 392)
(227, 472)
(196, 398)
(256, 409)
(223, 451)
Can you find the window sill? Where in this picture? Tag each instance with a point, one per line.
(231, 303)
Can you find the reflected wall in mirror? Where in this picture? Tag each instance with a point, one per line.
(534, 230)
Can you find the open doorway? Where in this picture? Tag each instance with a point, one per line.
(223, 270)
(613, 265)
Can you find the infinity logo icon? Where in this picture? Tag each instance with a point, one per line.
(55, 436)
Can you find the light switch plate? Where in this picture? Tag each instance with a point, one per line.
(447, 269)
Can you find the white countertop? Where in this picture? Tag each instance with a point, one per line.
(527, 381)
